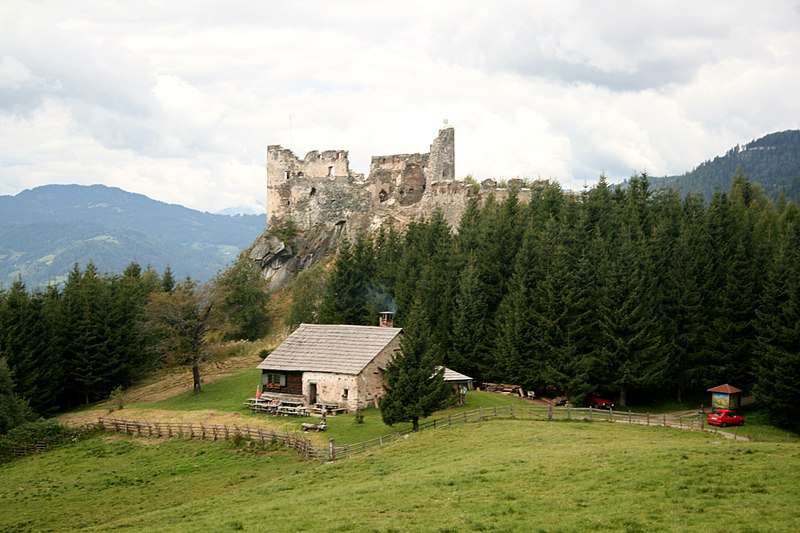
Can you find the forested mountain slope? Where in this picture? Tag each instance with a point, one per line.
(629, 291)
(772, 161)
(44, 231)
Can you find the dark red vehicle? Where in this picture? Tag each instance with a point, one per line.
(597, 401)
(724, 418)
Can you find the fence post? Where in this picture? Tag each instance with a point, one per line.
(550, 412)
(648, 419)
(331, 450)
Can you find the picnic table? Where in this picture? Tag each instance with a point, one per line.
(292, 410)
(262, 405)
(329, 408)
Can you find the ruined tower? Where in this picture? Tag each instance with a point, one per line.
(321, 188)
(317, 188)
(323, 201)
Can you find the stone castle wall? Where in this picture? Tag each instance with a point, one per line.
(326, 201)
(321, 188)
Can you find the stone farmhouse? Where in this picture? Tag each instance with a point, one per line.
(339, 367)
(335, 365)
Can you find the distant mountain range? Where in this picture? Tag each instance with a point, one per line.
(773, 161)
(46, 230)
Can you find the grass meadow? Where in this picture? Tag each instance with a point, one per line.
(501, 475)
(491, 476)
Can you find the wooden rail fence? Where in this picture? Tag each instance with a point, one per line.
(143, 428)
(332, 452)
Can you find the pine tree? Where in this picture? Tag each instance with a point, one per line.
(778, 327)
(347, 299)
(471, 325)
(13, 409)
(415, 386)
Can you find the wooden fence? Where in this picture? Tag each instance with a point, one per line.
(142, 428)
(332, 452)
(21, 450)
(525, 412)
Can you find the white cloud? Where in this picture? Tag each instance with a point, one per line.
(178, 101)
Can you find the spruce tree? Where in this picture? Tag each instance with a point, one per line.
(778, 326)
(13, 409)
(415, 386)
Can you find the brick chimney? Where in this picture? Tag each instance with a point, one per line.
(386, 319)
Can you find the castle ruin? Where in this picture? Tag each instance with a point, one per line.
(321, 188)
(315, 202)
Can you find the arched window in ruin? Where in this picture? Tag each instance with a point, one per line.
(383, 195)
(330, 171)
(313, 192)
(286, 174)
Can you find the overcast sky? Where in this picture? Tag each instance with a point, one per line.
(178, 100)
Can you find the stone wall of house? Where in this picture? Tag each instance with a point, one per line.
(371, 380)
(331, 387)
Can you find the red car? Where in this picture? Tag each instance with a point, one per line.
(725, 418)
(597, 401)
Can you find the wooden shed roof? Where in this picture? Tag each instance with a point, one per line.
(335, 348)
(452, 375)
(726, 389)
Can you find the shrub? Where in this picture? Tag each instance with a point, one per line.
(118, 397)
(21, 439)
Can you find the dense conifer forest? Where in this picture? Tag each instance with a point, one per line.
(629, 291)
(625, 290)
(64, 347)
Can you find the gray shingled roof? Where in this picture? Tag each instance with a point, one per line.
(339, 348)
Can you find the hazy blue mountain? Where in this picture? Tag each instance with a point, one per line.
(244, 210)
(46, 230)
(773, 161)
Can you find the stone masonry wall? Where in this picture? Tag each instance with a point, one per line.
(326, 201)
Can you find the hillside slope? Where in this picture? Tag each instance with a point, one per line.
(44, 231)
(773, 161)
(495, 476)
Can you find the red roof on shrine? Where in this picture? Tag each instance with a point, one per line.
(726, 389)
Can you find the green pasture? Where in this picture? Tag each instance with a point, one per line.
(491, 476)
(228, 394)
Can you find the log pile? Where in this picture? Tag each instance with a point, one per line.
(504, 388)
